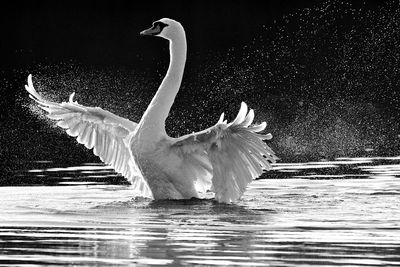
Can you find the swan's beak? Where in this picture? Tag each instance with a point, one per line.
(152, 31)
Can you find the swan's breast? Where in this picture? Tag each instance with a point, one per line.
(156, 155)
(162, 169)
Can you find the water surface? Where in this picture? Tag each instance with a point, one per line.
(339, 213)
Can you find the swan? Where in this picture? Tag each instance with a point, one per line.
(222, 159)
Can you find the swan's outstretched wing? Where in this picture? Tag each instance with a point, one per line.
(233, 154)
(99, 129)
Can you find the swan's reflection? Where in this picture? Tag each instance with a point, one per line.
(185, 231)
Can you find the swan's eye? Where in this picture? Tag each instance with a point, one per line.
(159, 26)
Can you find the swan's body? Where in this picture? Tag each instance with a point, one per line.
(224, 158)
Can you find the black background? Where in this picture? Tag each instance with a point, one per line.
(104, 32)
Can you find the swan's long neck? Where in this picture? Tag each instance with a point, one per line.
(153, 121)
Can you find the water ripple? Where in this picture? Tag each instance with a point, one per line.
(338, 213)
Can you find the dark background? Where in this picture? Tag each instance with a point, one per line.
(324, 75)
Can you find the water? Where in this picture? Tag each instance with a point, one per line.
(340, 213)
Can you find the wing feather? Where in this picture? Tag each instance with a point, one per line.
(241, 115)
(99, 129)
(249, 118)
(227, 157)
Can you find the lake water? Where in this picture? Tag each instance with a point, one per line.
(339, 213)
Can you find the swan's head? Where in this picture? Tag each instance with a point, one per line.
(165, 28)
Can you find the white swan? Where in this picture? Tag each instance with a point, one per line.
(224, 158)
